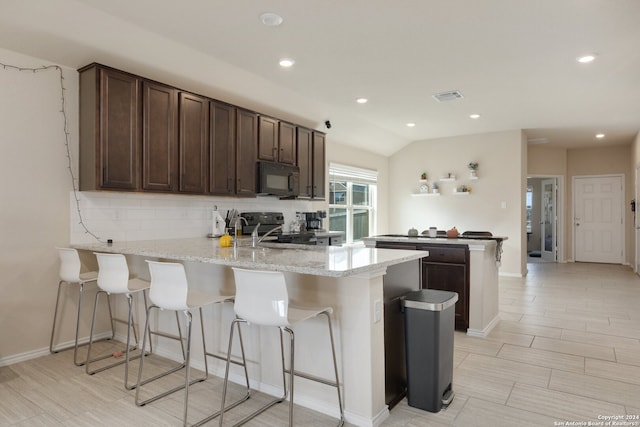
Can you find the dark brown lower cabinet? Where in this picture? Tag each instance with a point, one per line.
(447, 269)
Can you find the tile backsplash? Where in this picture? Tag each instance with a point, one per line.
(142, 216)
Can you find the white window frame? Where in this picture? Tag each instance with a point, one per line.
(354, 175)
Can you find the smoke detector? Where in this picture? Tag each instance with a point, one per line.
(449, 95)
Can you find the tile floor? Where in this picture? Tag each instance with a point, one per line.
(567, 349)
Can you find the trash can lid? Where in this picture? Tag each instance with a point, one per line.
(429, 299)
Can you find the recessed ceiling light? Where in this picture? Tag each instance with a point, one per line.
(585, 59)
(286, 62)
(362, 100)
(271, 19)
(474, 116)
(411, 125)
(600, 135)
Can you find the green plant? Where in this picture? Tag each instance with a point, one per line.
(473, 165)
(423, 176)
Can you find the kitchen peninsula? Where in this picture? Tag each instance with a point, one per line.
(467, 265)
(350, 279)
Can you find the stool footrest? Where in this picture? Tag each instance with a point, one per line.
(259, 411)
(120, 362)
(224, 358)
(226, 408)
(312, 377)
(168, 392)
(167, 335)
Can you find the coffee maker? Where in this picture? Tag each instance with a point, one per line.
(311, 220)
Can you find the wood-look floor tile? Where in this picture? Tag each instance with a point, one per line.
(628, 356)
(510, 338)
(613, 370)
(575, 348)
(14, 407)
(480, 413)
(528, 329)
(633, 410)
(505, 369)
(575, 317)
(613, 330)
(42, 420)
(463, 342)
(487, 387)
(600, 339)
(595, 387)
(559, 405)
(510, 316)
(554, 323)
(543, 358)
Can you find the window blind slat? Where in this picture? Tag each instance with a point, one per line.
(352, 173)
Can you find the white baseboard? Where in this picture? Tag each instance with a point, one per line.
(484, 332)
(34, 354)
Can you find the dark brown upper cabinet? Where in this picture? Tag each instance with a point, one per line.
(276, 140)
(109, 129)
(246, 138)
(159, 137)
(268, 132)
(194, 143)
(222, 160)
(140, 135)
(319, 165)
(287, 143)
(305, 162)
(311, 161)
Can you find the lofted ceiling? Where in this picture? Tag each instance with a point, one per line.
(514, 61)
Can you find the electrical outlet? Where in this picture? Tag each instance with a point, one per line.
(377, 311)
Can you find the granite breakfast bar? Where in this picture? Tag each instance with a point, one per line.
(350, 279)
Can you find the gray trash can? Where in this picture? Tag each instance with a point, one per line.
(429, 318)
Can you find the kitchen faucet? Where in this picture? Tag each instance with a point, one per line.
(238, 224)
(255, 240)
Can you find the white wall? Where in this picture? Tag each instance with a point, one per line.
(34, 217)
(496, 201)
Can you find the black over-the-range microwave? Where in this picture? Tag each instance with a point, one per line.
(278, 179)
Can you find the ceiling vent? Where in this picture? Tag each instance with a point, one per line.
(449, 95)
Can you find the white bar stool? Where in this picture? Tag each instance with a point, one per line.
(170, 291)
(70, 275)
(262, 299)
(113, 279)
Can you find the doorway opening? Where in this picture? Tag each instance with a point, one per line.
(544, 202)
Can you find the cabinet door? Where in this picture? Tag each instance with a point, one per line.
(287, 143)
(118, 131)
(268, 139)
(304, 156)
(246, 140)
(159, 137)
(318, 166)
(449, 277)
(194, 143)
(223, 149)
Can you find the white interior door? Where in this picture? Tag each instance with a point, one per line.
(598, 221)
(548, 218)
(636, 224)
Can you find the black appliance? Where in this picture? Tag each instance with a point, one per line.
(277, 179)
(270, 220)
(312, 220)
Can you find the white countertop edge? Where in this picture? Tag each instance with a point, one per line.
(312, 260)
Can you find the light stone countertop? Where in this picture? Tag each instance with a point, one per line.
(332, 261)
